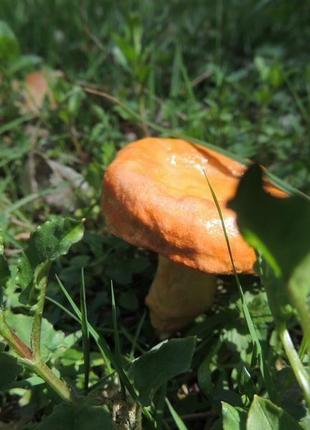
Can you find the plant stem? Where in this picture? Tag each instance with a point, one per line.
(57, 384)
(300, 372)
(40, 284)
(303, 312)
(38, 366)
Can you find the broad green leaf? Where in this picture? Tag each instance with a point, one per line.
(157, 366)
(77, 417)
(279, 228)
(265, 415)
(233, 418)
(9, 48)
(9, 370)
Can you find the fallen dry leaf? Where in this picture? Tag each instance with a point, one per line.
(41, 173)
(36, 89)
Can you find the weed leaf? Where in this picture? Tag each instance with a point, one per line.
(157, 366)
(233, 418)
(12, 369)
(77, 417)
(50, 241)
(266, 415)
(53, 239)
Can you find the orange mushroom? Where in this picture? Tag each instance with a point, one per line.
(156, 196)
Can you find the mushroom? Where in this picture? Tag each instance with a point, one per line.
(156, 197)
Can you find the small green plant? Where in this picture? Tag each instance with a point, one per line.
(33, 342)
(31, 272)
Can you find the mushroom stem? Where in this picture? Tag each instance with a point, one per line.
(178, 294)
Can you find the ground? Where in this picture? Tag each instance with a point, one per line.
(101, 74)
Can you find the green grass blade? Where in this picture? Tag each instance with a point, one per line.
(85, 332)
(15, 123)
(63, 308)
(34, 196)
(285, 186)
(180, 425)
(102, 346)
(175, 84)
(136, 336)
(104, 349)
(115, 328)
(118, 353)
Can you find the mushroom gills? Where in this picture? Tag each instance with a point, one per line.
(178, 294)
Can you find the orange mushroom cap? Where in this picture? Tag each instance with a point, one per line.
(156, 196)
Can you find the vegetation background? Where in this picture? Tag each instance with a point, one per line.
(235, 74)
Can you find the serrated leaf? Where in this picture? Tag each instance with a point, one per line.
(278, 228)
(77, 417)
(53, 239)
(157, 366)
(266, 415)
(233, 418)
(50, 241)
(12, 369)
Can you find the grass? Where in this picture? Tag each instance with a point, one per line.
(235, 76)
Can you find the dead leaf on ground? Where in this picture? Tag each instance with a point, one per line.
(41, 173)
